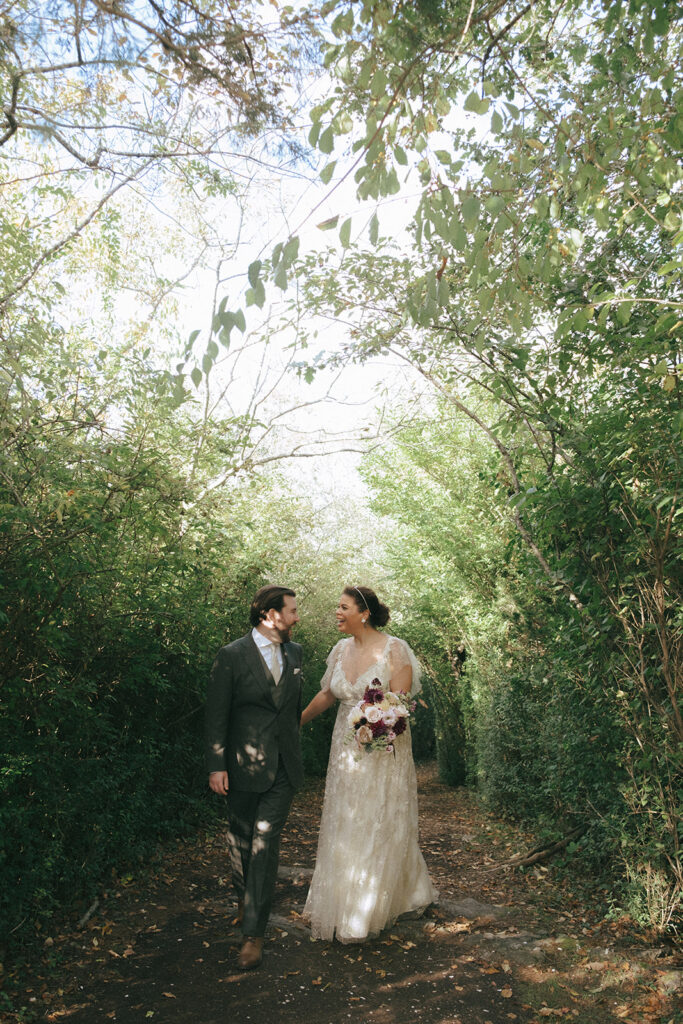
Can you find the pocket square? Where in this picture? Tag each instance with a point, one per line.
(296, 671)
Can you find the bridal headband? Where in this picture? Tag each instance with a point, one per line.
(362, 598)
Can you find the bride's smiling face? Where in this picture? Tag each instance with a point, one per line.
(349, 616)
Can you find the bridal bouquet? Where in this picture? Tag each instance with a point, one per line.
(377, 719)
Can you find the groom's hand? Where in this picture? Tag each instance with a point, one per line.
(219, 782)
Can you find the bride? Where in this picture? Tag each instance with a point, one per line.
(369, 868)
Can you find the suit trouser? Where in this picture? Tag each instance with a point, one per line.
(256, 822)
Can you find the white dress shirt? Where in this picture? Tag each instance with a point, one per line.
(271, 653)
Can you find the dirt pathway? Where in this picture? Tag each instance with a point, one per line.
(501, 946)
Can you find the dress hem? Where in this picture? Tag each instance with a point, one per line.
(347, 940)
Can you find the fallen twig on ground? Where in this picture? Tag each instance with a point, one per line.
(540, 853)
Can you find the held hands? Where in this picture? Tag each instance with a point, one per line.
(321, 702)
(218, 781)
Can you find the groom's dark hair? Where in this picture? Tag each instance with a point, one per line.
(266, 598)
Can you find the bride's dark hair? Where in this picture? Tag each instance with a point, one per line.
(365, 598)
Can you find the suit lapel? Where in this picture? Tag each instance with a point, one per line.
(287, 667)
(259, 670)
(281, 687)
(256, 665)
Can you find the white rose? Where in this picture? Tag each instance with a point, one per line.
(355, 715)
(373, 713)
(390, 717)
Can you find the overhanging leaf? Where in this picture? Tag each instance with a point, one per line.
(281, 278)
(327, 172)
(345, 233)
(254, 272)
(326, 141)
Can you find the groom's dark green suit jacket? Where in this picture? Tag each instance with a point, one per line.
(252, 722)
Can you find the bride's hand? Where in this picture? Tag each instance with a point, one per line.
(321, 702)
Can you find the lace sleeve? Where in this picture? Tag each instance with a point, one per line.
(332, 659)
(401, 655)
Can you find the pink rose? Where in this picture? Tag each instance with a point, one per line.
(364, 735)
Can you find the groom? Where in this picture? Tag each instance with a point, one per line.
(253, 752)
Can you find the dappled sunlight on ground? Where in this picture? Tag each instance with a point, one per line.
(500, 948)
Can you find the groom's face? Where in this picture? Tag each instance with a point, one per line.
(282, 621)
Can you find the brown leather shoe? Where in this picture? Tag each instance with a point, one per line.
(251, 953)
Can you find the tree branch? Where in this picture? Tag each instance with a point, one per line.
(508, 460)
(67, 239)
(10, 113)
(541, 852)
(503, 32)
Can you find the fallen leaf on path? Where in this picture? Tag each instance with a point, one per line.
(169, 995)
(484, 921)
(506, 993)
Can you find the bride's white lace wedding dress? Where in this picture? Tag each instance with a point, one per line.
(369, 868)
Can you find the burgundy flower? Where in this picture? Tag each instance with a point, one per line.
(400, 726)
(378, 729)
(374, 694)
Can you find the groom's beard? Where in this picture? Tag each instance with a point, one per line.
(284, 634)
